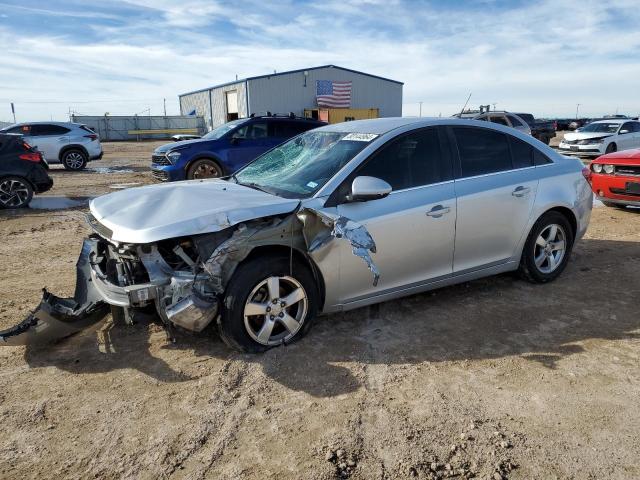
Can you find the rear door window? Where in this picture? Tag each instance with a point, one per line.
(514, 121)
(499, 120)
(48, 129)
(482, 151)
(521, 153)
(22, 129)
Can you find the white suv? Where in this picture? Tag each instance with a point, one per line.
(71, 144)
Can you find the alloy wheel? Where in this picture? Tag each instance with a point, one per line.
(74, 160)
(206, 170)
(550, 248)
(275, 310)
(14, 193)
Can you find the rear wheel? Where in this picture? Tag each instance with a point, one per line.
(612, 147)
(74, 159)
(267, 304)
(547, 249)
(204, 168)
(15, 192)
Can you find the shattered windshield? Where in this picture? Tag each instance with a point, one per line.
(217, 133)
(301, 166)
(601, 128)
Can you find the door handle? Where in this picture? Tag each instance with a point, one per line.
(438, 211)
(520, 191)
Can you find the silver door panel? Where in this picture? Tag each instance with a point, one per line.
(411, 246)
(493, 212)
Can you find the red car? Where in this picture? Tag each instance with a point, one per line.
(615, 178)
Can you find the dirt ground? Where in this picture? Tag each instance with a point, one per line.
(495, 378)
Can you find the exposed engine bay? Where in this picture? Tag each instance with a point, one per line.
(182, 279)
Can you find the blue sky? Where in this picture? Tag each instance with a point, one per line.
(124, 57)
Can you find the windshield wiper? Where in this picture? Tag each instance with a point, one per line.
(255, 186)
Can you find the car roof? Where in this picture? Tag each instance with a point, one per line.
(62, 124)
(613, 120)
(375, 125)
(380, 126)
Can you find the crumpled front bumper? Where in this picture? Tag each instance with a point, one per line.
(56, 317)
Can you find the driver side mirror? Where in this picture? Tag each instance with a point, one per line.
(368, 188)
(623, 131)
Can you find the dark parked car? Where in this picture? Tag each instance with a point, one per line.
(23, 172)
(227, 148)
(543, 130)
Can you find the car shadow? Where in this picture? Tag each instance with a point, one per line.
(495, 317)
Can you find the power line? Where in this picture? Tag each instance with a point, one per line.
(36, 102)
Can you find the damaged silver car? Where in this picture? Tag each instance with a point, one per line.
(337, 218)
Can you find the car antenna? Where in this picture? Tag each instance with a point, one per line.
(465, 103)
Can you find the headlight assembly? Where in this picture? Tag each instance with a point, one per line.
(597, 167)
(608, 169)
(591, 141)
(173, 156)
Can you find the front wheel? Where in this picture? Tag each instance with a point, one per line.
(15, 192)
(268, 303)
(611, 148)
(204, 168)
(547, 249)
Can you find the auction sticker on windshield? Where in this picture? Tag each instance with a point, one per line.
(360, 137)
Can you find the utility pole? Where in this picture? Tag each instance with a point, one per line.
(13, 110)
(420, 108)
(165, 106)
(577, 106)
(494, 107)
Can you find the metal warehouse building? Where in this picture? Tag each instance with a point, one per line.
(294, 91)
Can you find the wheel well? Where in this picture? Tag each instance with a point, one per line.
(72, 147)
(568, 214)
(298, 256)
(204, 157)
(31, 184)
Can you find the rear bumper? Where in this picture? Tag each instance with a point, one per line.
(97, 157)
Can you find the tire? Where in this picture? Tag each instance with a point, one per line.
(74, 159)
(611, 148)
(204, 168)
(541, 262)
(253, 280)
(15, 192)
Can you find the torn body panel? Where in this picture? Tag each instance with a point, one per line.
(56, 317)
(318, 233)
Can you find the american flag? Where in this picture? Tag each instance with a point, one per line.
(333, 94)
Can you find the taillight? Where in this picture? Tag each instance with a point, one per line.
(31, 157)
(92, 137)
(586, 173)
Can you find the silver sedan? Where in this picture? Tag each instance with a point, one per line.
(337, 218)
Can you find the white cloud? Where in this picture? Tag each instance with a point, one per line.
(545, 57)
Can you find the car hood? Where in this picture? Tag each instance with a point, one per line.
(585, 135)
(157, 212)
(176, 145)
